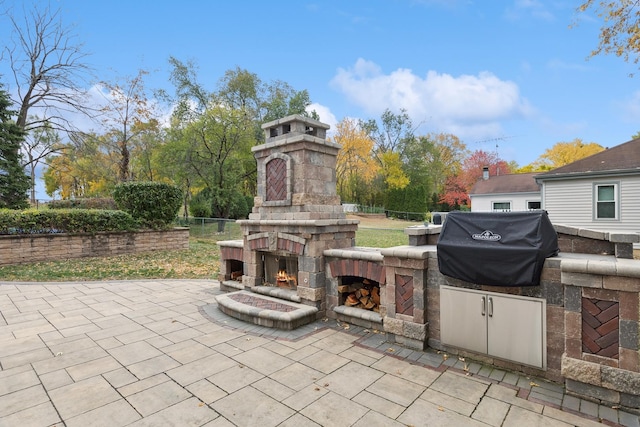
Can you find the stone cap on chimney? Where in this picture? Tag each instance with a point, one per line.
(294, 125)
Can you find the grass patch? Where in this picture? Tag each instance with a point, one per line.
(200, 261)
(380, 238)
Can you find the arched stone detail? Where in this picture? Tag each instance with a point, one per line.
(276, 242)
(290, 243)
(358, 268)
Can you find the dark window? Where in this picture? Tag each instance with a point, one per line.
(606, 201)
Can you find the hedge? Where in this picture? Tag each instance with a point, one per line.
(154, 204)
(47, 221)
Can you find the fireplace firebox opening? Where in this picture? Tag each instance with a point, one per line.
(280, 270)
(359, 292)
(235, 268)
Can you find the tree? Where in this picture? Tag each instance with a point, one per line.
(455, 194)
(14, 183)
(431, 158)
(38, 145)
(216, 145)
(395, 129)
(126, 110)
(390, 138)
(48, 69)
(150, 136)
(620, 33)
(356, 168)
(212, 132)
(563, 153)
(82, 168)
(457, 187)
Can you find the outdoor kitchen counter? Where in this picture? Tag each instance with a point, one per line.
(607, 265)
(356, 252)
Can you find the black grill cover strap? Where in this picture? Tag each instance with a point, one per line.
(496, 248)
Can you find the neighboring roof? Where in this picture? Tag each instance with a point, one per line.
(511, 183)
(621, 159)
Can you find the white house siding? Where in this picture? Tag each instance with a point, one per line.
(483, 202)
(570, 202)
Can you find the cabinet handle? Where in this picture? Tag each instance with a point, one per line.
(490, 307)
(484, 304)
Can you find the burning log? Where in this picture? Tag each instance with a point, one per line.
(283, 280)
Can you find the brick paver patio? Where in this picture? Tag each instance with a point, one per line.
(159, 352)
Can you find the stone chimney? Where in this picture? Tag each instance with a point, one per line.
(296, 172)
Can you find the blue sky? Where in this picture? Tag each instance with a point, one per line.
(509, 75)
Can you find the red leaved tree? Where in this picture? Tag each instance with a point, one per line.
(456, 191)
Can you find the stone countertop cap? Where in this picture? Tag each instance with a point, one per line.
(610, 267)
(231, 243)
(414, 252)
(611, 236)
(624, 237)
(420, 230)
(356, 252)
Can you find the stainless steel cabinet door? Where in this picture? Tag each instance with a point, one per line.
(516, 329)
(463, 319)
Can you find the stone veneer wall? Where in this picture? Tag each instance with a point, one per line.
(612, 375)
(22, 249)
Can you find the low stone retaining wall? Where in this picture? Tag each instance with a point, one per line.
(23, 249)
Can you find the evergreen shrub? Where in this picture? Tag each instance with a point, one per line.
(153, 204)
(89, 203)
(53, 221)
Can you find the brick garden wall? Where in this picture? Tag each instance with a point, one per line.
(20, 249)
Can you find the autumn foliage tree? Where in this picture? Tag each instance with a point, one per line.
(457, 187)
(620, 32)
(563, 153)
(126, 109)
(356, 168)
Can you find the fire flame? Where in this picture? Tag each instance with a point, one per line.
(282, 276)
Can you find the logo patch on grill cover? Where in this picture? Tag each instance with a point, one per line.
(486, 235)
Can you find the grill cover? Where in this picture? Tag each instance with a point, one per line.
(496, 248)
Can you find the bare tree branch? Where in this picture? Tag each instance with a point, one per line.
(49, 70)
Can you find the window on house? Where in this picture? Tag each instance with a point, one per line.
(606, 197)
(533, 205)
(501, 206)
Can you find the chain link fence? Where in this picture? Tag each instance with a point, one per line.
(211, 228)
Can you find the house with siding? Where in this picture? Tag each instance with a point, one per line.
(600, 192)
(505, 193)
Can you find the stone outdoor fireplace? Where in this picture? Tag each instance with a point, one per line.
(297, 213)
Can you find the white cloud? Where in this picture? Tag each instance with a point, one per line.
(326, 116)
(467, 105)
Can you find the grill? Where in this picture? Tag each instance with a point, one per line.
(496, 248)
